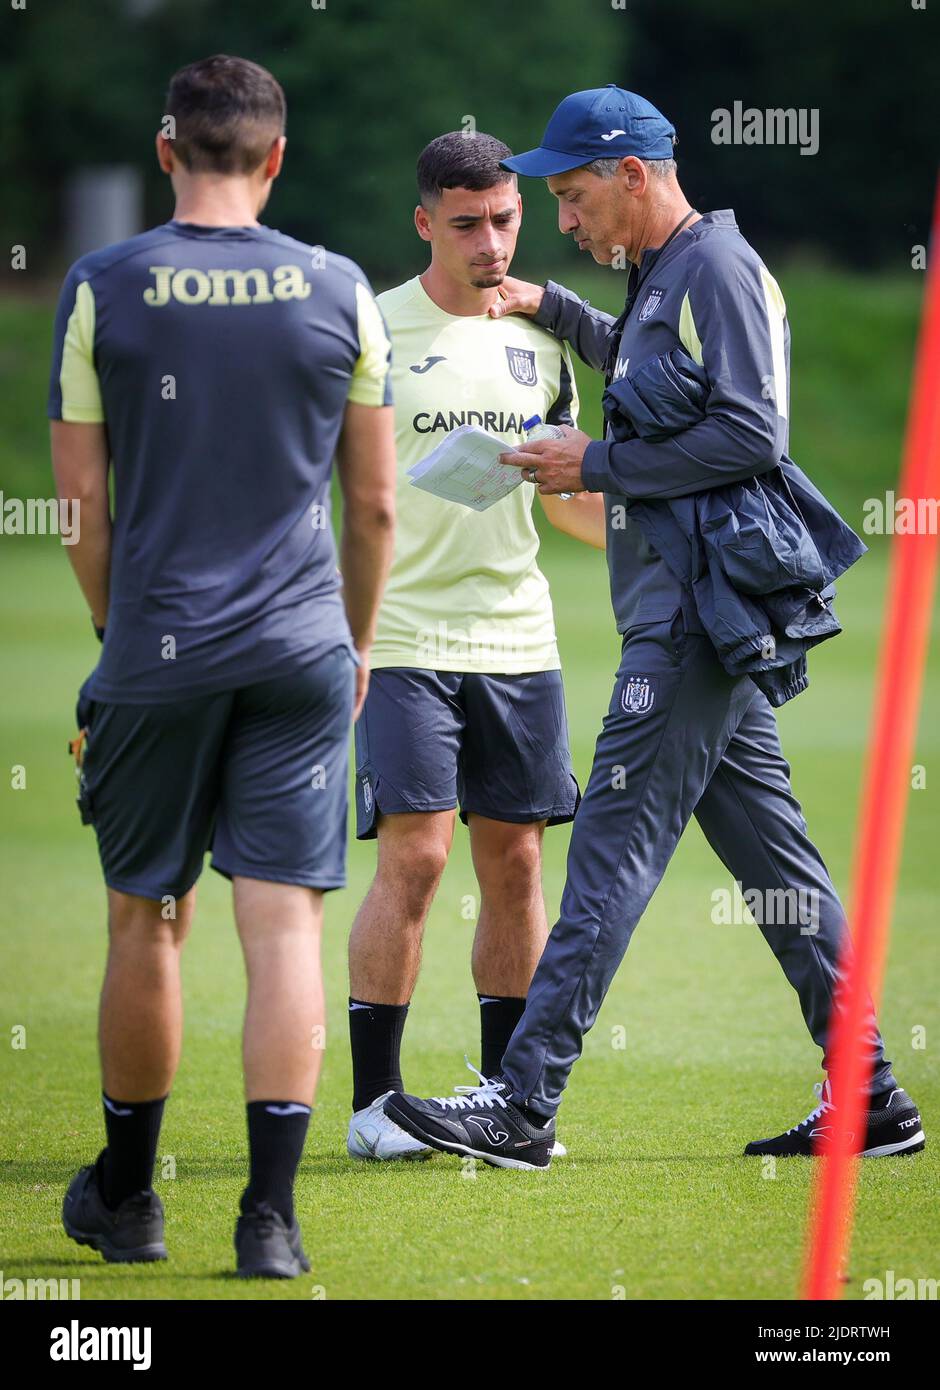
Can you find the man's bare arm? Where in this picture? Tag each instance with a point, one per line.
(582, 515)
(80, 461)
(366, 469)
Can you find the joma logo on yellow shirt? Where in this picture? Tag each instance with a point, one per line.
(225, 286)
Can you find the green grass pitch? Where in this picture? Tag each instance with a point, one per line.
(655, 1200)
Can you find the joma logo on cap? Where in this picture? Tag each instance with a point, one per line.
(189, 286)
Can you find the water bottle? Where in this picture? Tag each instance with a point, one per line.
(535, 428)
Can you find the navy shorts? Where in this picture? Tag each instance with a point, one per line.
(259, 775)
(495, 745)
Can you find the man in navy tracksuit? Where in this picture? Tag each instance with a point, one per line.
(682, 736)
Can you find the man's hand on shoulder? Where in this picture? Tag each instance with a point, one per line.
(517, 297)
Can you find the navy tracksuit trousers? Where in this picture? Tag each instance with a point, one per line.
(681, 738)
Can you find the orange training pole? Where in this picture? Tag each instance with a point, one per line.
(903, 655)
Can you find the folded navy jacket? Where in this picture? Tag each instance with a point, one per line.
(759, 556)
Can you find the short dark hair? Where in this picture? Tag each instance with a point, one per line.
(461, 159)
(227, 113)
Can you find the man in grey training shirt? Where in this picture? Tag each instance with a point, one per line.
(216, 366)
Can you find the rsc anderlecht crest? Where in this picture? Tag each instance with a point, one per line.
(637, 695)
(522, 365)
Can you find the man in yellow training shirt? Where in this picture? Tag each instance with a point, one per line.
(466, 706)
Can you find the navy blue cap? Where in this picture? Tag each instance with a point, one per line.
(602, 123)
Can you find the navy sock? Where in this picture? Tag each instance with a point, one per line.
(277, 1131)
(375, 1032)
(499, 1015)
(126, 1165)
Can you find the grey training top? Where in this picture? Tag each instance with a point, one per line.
(708, 292)
(220, 359)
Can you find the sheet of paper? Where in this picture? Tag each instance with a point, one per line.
(463, 469)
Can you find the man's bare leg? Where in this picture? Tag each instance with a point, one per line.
(512, 928)
(140, 1020)
(140, 1027)
(279, 927)
(385, 941)
(385, 945)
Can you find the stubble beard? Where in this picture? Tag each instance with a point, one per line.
(489, 282)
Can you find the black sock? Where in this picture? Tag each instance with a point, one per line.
(534, 1117)
(126, 1165)
(375, 1038)
(498, 1018)
(277, 1130)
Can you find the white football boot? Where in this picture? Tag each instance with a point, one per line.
(373, 1135)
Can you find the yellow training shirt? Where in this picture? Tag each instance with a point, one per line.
(465, 592)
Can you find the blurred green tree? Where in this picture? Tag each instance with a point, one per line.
(368, 85)
(369, 82)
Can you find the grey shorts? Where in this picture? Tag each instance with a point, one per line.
(259, 775)
(497, 746)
